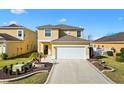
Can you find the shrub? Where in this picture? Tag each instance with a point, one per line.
(122, 53)
(17, 72)
(109, 53)
(10, 71)
(11, 66)
(34, 55)
(25, 69)
(30, 66)
(118, 54)
(113, 49)
(5, 69)
(4, 56)
(119, 59)
(40, 54)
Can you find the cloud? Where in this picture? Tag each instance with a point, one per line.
(18, 11)
(10, 22)
(120, 18)
(5, 23)
(62, 20)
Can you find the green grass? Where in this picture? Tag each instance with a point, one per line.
(118, 75)
(38, 78)
(23, 58)
(13, 61)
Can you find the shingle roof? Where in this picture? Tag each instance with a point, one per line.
(12, 26)
(61, 27)
(115, 37)
(7, 37)
(69, 38)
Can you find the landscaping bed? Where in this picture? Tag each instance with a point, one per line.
(34, 69)
(100, 65)
(118, 75)
(25, 69)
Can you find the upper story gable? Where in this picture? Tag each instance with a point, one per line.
(51, 32)
(17, 31)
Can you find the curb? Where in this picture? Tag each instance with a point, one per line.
(13, 79)
(50, 73)
(108, 79)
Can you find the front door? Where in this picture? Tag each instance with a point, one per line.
(45, 49)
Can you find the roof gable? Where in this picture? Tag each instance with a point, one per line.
(7, 37)
(115, 37)
(60, 26)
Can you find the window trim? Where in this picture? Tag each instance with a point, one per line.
(20, 37)
(45, 32)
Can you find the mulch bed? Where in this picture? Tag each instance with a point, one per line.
(6, 76)
(98, 65)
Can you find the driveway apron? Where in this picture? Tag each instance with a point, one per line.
(76, 72)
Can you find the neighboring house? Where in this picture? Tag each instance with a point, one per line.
(16, 40)
(115, 41)
(62, 42)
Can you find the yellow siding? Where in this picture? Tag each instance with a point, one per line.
(10, 31)
(41, 34)
(109, 46)
(29, 40)
(72, 33)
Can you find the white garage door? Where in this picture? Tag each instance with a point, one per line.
(71, 53)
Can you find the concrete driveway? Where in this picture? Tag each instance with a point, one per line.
(76, 72)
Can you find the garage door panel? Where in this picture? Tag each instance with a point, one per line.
(71, 53)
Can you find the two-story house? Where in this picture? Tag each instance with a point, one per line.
(62, 42)
(16, 40)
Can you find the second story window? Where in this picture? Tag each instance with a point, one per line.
(20, 34)
(47, 32)
(78, 33)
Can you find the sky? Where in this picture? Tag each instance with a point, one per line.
(97, 23)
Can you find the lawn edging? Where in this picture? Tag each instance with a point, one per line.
(112, 69)
(50, 74)
(108, 79)
(21, 77)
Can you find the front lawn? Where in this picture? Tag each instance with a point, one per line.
(118, 75)
(23, 58)
(13, 61)
(38, 78)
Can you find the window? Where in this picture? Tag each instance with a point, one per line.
(98, 47)
(19, 33)
(78, 33)
(47, 32)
